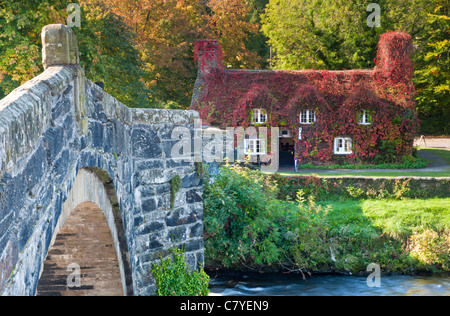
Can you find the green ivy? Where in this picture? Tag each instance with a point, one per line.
(172, 279)
(175, 186)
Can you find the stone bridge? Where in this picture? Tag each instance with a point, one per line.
(63, 142)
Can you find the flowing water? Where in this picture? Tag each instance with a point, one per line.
(332, 285)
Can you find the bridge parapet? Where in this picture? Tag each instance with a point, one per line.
(59, 124)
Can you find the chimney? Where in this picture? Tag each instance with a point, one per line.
(393, 61)
(208, 54)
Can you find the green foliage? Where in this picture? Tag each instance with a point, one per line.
(432, 75)
(409, 162)
(358, 188)
(21, 23)
(400, 189)
(387, 152)
(172, 279)
(245, 225)
(107, 54)
(333, 34)
(248, 227)
(175, 186)
(105, 44)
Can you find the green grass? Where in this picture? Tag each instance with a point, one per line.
(394, 217)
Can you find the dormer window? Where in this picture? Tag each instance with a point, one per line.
(364, 118)
(259, 116)
(307, 117)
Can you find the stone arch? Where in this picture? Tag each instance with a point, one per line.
(95, 186)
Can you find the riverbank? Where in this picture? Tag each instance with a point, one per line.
(249, 228)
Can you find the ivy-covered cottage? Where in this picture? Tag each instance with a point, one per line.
(351, 116)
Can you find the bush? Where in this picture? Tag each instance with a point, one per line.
(431, 248)
(246, 226)
(172, 279)
(254, 221)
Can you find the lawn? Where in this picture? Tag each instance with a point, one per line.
(254, 221)
(399, 218)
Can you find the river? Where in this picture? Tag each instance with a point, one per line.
(328, 285)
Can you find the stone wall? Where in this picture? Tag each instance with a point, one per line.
(363, 187)
(60, 124)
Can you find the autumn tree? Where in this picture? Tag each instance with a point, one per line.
(21, 23)
(142, 50)
(229, 24)
(167, 31)
(106, 47)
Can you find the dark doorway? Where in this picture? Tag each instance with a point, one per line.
(287, 149)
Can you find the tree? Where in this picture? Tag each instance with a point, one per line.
(166, 34)
(230, 25)
(432, 76)
(105, 44)
(21, 23)
(334, 34)
(167, 31)
(108, 54)
(257, 42)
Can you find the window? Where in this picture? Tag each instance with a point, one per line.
(364, 118)
(259, 116)
(254, 147)
(342, 146)
(285, 133)
(307, 117)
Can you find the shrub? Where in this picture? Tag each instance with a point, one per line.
(246, 226)
(273, 223)
(172, 279)
(431, 248)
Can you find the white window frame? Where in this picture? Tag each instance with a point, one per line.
(259, 116)
(364, 118)
(307, 117)
(343, 146)
(254, 147)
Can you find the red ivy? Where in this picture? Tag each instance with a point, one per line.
(337, 97)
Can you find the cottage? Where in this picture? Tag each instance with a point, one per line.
(324, 117)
